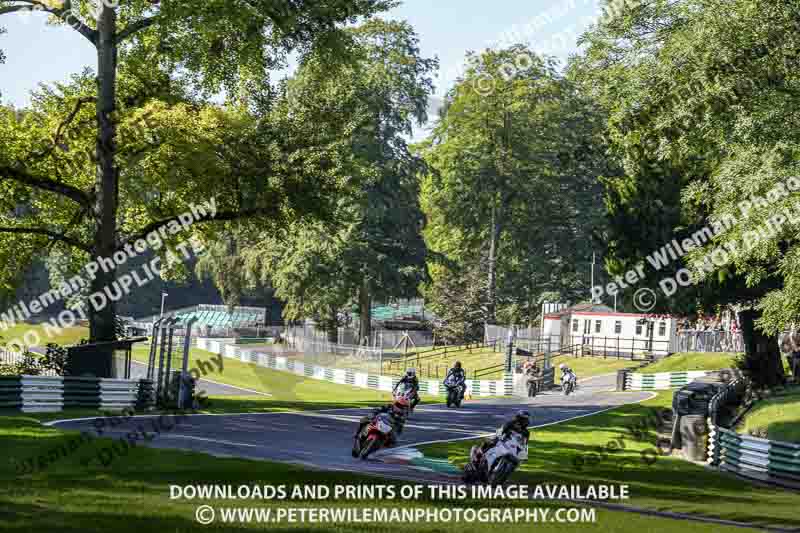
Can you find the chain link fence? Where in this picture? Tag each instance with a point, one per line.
(709, 341)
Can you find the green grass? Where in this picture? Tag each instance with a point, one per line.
(572, 453)
(65, 337)
(692, 361)
(775, 419)
(283, 386)
(132, 493)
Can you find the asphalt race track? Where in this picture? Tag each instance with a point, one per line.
(322, 439)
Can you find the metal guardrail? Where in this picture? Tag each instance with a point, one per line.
(755, 458)
(761, 459)
(52, 394)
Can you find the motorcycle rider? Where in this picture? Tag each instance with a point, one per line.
(411, 379)
(459, 376)
(532, 375)
(519, 424)
(395, 411)
(567, 374)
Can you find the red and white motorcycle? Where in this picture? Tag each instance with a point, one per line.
(495, 465)
(374, 435)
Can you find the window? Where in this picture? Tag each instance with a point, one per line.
(638, 328)
(617, 327)
(575, 326)
(662, 329)
(598, 326)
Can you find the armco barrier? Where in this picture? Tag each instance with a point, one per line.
(52, 394)
(502, 387)
(662, 380)
(760, 459)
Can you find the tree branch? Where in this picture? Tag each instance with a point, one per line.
(60, 130)
(68, 191)
(220, 216)
(135, 27)
(52, 234)
(65, 14)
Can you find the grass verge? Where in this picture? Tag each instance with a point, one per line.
(15, 336)
(692, 361)
(581, 452)
(133, 493)
(775, 419)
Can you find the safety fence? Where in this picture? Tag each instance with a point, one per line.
(689, 340)
(52, 394)
(760, 459)
(661, 380)
(365, 380)
(752, 457)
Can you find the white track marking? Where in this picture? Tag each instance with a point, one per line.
(440, 441)
(216, 441)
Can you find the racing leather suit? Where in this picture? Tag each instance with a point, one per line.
(460, 377)
(397, 423)
(414, 382)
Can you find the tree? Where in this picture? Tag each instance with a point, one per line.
(376, 250)
(513, 172)
(190, 51)
(701, 98)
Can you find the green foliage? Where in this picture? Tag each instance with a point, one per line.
(115, 153)
(459, 300)
(700, 96)
(55, 358)
(374, 248)
(513, 165)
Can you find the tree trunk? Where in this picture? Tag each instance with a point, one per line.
(365, 313)
(333, 327)
(101, 317)
(762, 355)
(494, 238)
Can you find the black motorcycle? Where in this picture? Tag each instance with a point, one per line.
(454, 392)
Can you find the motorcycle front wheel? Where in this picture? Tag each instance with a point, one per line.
(501, 472)
(371, 446)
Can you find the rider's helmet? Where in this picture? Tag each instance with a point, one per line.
(457, 364)
(411, 372)
(523, 416)
(562, 366)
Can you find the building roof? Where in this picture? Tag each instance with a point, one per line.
(582, 308)
(597, 309)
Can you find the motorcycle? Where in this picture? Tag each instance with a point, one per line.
(569, 386)
(406, 394)
(495, 465)
(454, 392)
(374, 435)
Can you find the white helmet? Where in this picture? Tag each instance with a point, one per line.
(562, 366)
(411, 372)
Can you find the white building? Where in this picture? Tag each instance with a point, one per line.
(598, 328)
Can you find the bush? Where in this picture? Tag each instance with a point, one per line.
(29, 365)
(55, 359)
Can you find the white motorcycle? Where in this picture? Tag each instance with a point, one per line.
(569, 385)
(497, 464)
